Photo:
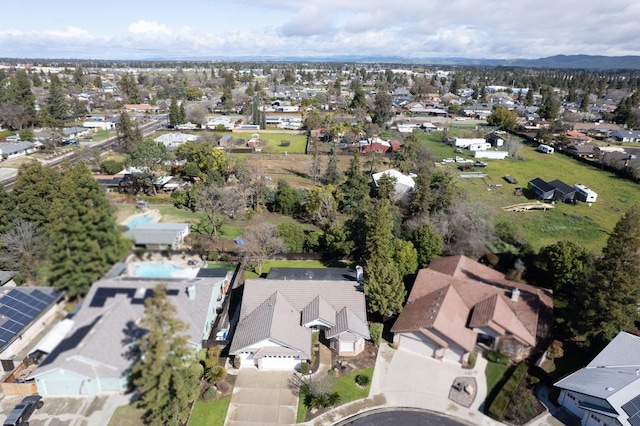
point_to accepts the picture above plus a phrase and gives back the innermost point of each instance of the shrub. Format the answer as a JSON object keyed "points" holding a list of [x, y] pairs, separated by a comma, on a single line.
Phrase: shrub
{"points": [[285, 143], [362, 380], [315, 338], [224, 257], [501, 401], [111, 167], [493, 356], [212, 256], [304, 367], [210, 394], [393, 346], [216, 373], [555, 350], [471, 362], [375, 331], [237, 361]]}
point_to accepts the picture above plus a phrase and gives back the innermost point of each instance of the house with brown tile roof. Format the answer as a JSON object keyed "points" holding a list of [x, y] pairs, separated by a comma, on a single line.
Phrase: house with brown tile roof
{"points": [[278, 316], [457, 302]]}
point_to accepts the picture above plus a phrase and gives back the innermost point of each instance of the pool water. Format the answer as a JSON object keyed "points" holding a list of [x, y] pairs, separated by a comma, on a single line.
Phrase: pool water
{"points": [[138, 220], [162, 270]]}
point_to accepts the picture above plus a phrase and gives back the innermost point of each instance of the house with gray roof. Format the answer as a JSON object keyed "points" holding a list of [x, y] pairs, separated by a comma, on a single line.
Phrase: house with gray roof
{"points": [[158, 236], [11, 150], [95, 355], [173, 140], [607, 390], [278, 317]]}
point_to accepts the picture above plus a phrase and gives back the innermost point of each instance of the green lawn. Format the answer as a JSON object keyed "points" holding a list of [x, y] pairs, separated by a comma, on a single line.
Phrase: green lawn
{"points": [[495, 373], [298, 141], [302, 408], [127, 415], [212, 413], [347, 388], [586, 225]]}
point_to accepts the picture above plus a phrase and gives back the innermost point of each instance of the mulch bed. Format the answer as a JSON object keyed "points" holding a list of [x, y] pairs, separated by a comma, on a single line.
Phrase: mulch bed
{"points": [[347, 364], [463, 391]]}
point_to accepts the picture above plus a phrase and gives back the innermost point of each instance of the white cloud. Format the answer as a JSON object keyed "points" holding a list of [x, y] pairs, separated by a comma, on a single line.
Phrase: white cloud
{"points": [[412, 28]]}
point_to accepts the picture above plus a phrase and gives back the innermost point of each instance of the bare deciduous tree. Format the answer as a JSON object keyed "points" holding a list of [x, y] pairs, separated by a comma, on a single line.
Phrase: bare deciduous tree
{"points": [[261, 243], [22, 246]]}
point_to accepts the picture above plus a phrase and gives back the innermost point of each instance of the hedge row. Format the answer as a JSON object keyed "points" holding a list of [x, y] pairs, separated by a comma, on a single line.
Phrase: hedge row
{"points": [[501, 401]]}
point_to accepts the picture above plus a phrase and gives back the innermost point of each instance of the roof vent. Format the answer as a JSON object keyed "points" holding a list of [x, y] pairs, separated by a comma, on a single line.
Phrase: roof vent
{"points": [[191, 292], [610, 389], [515, 295]]}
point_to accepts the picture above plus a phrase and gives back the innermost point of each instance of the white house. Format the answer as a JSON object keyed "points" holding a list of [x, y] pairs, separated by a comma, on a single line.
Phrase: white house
{"points": [[172, 140], [494, 155], [607, 391], [467, 142], [10, 150], [159, 235], [404, 183]]}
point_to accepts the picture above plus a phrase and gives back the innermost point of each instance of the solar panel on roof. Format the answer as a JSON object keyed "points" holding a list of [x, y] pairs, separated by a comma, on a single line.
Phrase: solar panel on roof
{"points": [[632, 408], [17, 295]]}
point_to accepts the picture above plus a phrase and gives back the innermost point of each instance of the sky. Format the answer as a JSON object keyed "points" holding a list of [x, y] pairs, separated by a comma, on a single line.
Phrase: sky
{"points": [[409, 29]]}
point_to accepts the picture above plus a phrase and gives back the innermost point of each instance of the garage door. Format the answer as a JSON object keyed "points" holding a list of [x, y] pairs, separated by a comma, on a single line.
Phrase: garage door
{"points": [[412, 343], [347, 347], [278, 363]]}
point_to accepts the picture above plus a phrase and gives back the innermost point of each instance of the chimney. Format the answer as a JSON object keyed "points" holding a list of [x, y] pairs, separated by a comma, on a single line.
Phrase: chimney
{"points": [[191, 292], [515, 295], [359, 273]]}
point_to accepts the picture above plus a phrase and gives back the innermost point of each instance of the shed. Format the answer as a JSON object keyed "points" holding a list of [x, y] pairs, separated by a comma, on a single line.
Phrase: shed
{"points": [[563, 192], [542, 189]]}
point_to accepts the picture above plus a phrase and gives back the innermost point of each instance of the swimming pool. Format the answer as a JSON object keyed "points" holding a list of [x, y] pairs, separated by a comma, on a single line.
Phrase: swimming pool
{"points": [[163, 270], [138, 220]]}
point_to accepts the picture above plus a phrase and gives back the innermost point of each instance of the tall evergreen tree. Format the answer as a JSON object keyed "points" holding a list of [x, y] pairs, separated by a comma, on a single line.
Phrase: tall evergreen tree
{"points": [[383, 284], [18, 102], [166, 375], [183, 114], [332, 176], [33, 193], [84, 239], [129, 134], [382, 108], [175, 117], [356, 187], [57, 105], [609, 303]]}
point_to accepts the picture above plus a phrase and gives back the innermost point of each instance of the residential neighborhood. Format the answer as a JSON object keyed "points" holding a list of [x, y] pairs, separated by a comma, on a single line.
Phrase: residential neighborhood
{"points": [[241, 243]]}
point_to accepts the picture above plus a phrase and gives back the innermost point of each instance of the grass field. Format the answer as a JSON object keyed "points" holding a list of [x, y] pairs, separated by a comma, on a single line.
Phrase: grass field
{"points": [[298, 142], [290, 264], [583, 224], [127, 415], [212, 413], [347, 388]]}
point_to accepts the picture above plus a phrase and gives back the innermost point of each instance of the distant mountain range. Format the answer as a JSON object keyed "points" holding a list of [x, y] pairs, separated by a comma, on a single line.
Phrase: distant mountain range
{"points": [[590, 62]]}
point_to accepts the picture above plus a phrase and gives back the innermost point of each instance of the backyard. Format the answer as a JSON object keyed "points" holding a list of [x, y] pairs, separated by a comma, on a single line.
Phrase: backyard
{"points": [[583, 224], [274, 142]]}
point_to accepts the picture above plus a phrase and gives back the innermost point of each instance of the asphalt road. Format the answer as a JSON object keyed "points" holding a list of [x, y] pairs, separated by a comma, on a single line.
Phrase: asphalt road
{"points": [[403, 418]]}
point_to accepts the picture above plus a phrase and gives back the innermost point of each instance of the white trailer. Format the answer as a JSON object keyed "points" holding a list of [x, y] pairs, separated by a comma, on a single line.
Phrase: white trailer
{"points": [[585, 194], [545, 148]]}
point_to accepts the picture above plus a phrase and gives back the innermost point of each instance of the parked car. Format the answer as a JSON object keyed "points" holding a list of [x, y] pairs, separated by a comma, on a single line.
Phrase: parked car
{"points": [[70, 142], [480, 164], [21, 412]]}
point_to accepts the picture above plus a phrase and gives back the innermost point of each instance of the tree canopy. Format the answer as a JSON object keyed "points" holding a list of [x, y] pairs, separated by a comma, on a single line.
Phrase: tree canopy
{"points": [[166, 374]]}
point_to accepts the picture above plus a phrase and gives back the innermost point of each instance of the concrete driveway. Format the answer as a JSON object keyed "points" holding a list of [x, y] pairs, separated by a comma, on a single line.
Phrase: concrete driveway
{"points": [[413, 380], [262, 398], [71, 411]]}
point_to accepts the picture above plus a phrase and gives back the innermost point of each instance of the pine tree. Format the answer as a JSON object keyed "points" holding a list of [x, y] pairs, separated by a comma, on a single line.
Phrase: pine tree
{"points": [[84, 239], [609, 303], [183, 114], [356, 188], [129, 134], [332, 175], [57, 105], [174, 113], [383, 284], [166, 375], [33, 193]]}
